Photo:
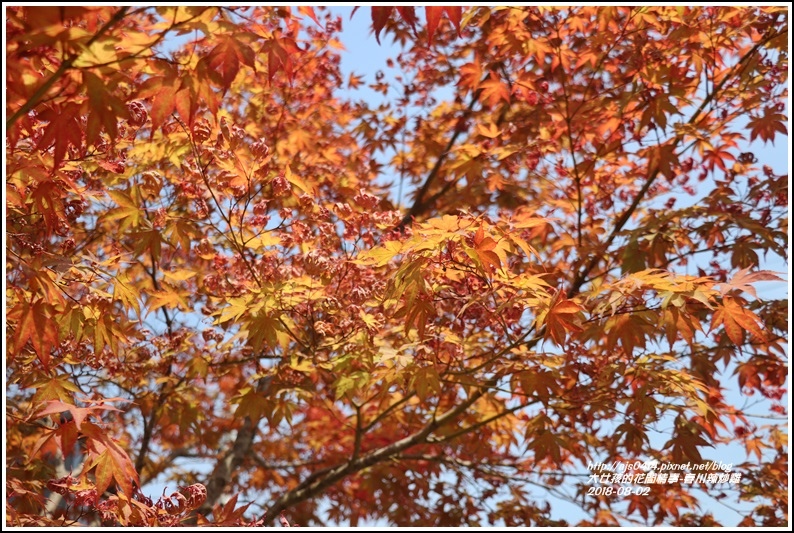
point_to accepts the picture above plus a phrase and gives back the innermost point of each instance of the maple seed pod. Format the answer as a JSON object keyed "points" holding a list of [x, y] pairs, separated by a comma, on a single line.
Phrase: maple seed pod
{"points": [[260, 149], [315, 264], [260, 208], [197, 495], [205, 248], [160, 217], [201, 131], [237, 136], [202, 210], [366, 200], [138, 114], [747, 158], [67, 246], [306, 201], [281, 187], [532, 98]]}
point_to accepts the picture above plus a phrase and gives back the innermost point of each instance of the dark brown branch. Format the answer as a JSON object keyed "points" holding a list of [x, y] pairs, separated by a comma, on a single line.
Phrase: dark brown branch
{"points": [[335, 474], [385, 413], [224, 468], [149, 424], [420, 205], [484, 422], [241, 449], [451, 183], [359, 433]]}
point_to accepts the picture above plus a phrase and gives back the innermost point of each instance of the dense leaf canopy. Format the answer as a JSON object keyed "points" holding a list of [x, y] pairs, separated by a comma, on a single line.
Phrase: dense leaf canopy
{"points": [[230, 273]]}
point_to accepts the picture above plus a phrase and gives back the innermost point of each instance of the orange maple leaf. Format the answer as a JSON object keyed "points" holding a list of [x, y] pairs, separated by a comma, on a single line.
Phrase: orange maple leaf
{"points": [[561, 318]]}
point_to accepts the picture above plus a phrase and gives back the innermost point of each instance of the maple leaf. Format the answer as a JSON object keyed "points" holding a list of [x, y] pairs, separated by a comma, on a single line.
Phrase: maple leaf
{"points": [[519, 241], [546, 444], [110, 462], [279, 52], [148, 240], [34, 323], [483, 251], [717, 157], [766, 126], [168, 297], [185, 102], [426, 381], [471, 75], [755, 446], [490, 132], [540, 383], [678, 324], [69, 434], [163, 91], [58, 388], [265, 330], [743, 279], [296, 180], [128, 212], [106, 109], [236, 308], [632, 330], [126, 293], [77, 414], [226, 57], [354, 81], [634, 438], [686, 442], [380, 255], [409, 15], [433, 15], [664, 158], [736, 319], [380, 16], [417, 315], [559, 318], [493, 90], [309, 12], [63, 131], [47, 197], [253, 404], [181, 232], [226, 514]]}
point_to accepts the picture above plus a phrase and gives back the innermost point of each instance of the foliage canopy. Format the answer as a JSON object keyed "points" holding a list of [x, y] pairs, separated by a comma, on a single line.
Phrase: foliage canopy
{"points": [[431, 311]]}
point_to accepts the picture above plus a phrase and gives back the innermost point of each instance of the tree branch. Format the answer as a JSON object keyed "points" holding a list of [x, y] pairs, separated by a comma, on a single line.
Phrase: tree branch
{"points": [[332, 475], [66, 65], [653, 172], [419, 205], [484, 422], [225, 467]]}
